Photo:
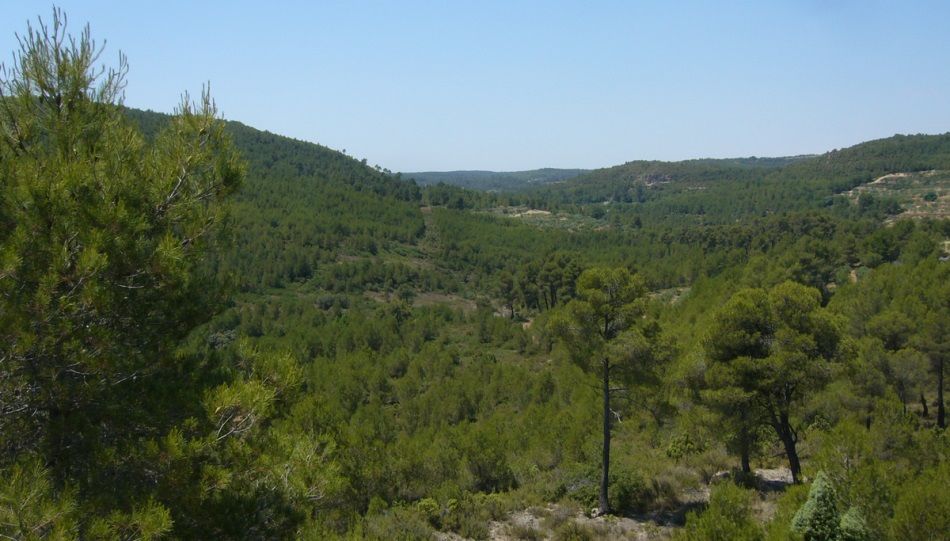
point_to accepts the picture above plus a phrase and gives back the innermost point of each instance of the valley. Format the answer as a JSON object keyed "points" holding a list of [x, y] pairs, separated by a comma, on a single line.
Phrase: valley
{"points": [[211, 331]]}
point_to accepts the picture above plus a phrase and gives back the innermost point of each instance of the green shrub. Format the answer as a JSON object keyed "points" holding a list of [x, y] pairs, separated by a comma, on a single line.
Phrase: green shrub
{"points": [[628, 493], [398, 523], [744, 479], [525, 531], [491, 506], [579, 483], [728, 517], [923, 508], [572, 531], [779, 528], [681, 446], [817, 519], [853, 527], [467, 525], [663, 493], [467, 517], [431, 511]]}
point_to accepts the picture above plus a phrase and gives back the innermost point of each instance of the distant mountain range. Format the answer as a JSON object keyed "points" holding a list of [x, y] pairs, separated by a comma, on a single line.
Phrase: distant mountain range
{"points": [[501, 181]]}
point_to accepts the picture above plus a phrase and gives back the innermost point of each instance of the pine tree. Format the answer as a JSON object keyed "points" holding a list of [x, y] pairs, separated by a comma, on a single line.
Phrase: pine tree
{"points": [[768, 350], [103, 239], [598, 328]]}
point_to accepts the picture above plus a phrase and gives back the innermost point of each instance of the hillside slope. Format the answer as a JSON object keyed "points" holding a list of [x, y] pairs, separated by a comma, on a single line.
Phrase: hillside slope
{"points": [[397, 371], [494, 180], [721, 191], [304, 205]]}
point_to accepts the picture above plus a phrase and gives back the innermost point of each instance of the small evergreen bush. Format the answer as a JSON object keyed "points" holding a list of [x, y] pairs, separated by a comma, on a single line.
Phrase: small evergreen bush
{"points": [[818, 519]]}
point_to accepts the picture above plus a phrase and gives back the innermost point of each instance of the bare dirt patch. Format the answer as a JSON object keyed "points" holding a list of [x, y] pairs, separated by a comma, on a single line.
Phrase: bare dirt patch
{"points": [[922, 194]]}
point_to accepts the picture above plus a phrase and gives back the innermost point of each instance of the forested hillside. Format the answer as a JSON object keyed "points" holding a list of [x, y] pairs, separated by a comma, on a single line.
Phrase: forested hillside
{"points": [[305, 205], [209, 331], [495, 181], [707, 191]]}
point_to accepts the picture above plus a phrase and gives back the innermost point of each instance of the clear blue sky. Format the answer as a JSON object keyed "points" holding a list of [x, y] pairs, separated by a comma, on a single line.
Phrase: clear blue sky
{"points": [[517, 85]]}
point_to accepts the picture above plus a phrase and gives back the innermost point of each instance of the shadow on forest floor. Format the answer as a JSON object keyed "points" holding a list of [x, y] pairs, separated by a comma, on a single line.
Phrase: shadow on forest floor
{"points": [[537, 522]]}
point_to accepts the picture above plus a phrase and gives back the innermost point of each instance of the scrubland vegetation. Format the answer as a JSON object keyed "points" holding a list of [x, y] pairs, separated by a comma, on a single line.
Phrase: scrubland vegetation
{"points": [[212, 332]]}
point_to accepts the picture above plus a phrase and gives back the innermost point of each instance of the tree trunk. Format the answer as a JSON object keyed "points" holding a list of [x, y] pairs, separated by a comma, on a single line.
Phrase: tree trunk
{"points": [[746, 468], [605, 472], [923, 404], [793, 462], [941, 411], [744, 450], [787, 435]]}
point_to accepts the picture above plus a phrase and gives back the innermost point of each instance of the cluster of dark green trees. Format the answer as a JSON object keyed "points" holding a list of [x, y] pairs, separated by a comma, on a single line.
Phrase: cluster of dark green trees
{"points": [[207, 331], [495, 181]]}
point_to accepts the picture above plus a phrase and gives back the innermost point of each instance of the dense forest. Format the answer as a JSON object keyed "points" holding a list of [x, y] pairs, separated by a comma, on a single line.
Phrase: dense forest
{"points": [[494, 180], [209, 331]]}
